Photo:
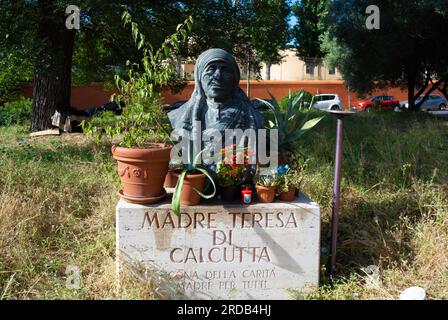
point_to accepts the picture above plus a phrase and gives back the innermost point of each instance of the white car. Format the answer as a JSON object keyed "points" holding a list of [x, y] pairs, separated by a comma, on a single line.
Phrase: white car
{"points": [[327, 102], [434, 102]]}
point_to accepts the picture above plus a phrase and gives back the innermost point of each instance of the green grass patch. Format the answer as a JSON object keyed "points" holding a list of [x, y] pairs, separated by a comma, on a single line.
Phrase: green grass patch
{"points": [[58, 196]]}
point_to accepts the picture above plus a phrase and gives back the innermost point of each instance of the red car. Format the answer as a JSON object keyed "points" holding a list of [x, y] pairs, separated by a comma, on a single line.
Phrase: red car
{"points": [[378, 103]]}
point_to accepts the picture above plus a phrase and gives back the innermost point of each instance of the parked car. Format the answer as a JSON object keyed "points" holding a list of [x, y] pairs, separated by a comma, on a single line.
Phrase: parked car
{"points": [[433, 102], [327, 102], [378, 103]]}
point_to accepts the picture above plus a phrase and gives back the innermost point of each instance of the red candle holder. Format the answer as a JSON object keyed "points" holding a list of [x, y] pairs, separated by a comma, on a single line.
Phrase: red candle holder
{"points": [[246, 196]]}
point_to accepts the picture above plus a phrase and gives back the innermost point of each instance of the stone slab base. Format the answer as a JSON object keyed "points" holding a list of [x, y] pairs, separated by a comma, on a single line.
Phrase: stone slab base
{"points": [[222, 250]]}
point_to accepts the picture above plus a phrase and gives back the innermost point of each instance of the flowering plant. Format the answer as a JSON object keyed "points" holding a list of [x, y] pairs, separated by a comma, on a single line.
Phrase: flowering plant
{"points": [[232, 170]]}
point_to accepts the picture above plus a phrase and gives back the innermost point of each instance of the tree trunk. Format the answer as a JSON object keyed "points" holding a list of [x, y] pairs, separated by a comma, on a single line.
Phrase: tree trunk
{"points": [[268, 71], [411, 87], [52, 80]]}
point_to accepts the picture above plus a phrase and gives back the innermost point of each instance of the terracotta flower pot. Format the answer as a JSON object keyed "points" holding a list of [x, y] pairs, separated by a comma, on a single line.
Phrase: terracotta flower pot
{"points": [[142, 172], [189, 196], [170, 180], [288, 196], [229, 193], [265, 194]]}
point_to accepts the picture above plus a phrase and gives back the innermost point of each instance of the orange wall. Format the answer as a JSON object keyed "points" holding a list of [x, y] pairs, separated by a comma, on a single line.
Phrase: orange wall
{"points": [[279, 89], [94, 95], [82, 97]]}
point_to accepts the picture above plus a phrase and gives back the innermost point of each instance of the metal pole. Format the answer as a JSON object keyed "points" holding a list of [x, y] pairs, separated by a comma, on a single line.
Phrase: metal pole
{"points": [[336, 188], [349, 102]]}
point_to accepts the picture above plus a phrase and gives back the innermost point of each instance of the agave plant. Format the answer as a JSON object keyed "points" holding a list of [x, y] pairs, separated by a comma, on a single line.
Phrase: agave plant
{"points": [[291, 124]]}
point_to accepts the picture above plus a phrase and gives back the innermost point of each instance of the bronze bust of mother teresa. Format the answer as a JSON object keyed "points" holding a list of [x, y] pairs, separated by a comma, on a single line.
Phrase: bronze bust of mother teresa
{"points": [[217, 101]]}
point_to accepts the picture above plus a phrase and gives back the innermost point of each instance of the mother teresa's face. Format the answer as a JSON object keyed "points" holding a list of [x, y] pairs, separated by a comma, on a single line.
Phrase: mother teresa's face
{"points": [[218, 81]]}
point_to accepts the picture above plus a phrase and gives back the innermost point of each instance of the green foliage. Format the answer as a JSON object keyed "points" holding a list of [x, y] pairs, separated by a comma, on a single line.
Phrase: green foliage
{"points": [[405, 51], [15, 68], [394, 200], [15, 112], [142, 118], [311, 24], [229, 175], [269, 29], [9, 87], [266, 180], [333, 51], [292, 179], [253, 31], [291, 124], [306, 98]]}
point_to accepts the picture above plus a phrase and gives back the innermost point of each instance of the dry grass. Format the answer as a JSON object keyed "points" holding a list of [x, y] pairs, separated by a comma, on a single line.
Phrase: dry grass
{"points": [[58, 196]]}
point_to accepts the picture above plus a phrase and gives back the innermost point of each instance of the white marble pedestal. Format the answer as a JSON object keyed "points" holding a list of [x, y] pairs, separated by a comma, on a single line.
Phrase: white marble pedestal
{"points": [[223, 250]]}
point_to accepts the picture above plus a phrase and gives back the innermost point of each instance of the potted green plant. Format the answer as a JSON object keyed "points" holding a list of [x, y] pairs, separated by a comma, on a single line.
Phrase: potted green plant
{"points": [[191, 178], [140, 135], [266, 186], [291, 124], [231, 171], [289, 182]]}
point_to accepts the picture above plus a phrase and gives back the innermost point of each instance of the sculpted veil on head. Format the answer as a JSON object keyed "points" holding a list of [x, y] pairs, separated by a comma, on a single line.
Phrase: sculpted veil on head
{"points": [[237, 113], [216, 107]]}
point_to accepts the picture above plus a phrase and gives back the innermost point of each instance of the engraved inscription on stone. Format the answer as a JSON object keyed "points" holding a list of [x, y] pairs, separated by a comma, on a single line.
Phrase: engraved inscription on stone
{"points": [[229, 252]]}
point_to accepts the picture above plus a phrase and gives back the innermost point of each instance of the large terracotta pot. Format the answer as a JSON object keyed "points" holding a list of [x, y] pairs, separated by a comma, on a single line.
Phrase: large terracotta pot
{"points": [[142, 172], [189, 196], [265, 194], [288, 196]]}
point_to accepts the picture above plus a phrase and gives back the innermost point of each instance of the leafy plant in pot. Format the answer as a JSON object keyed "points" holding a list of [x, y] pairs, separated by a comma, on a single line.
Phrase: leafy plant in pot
{"points": [[266, 186], [289, 182], [231, 172], [140, 135], [191, 178]]}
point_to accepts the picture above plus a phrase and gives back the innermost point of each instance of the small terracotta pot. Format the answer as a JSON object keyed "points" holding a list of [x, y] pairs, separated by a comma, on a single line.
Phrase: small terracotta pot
{"points": [[170, 180], [265, 194], [142, 172], [288, 196], [229, 193], [189, 196]]}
